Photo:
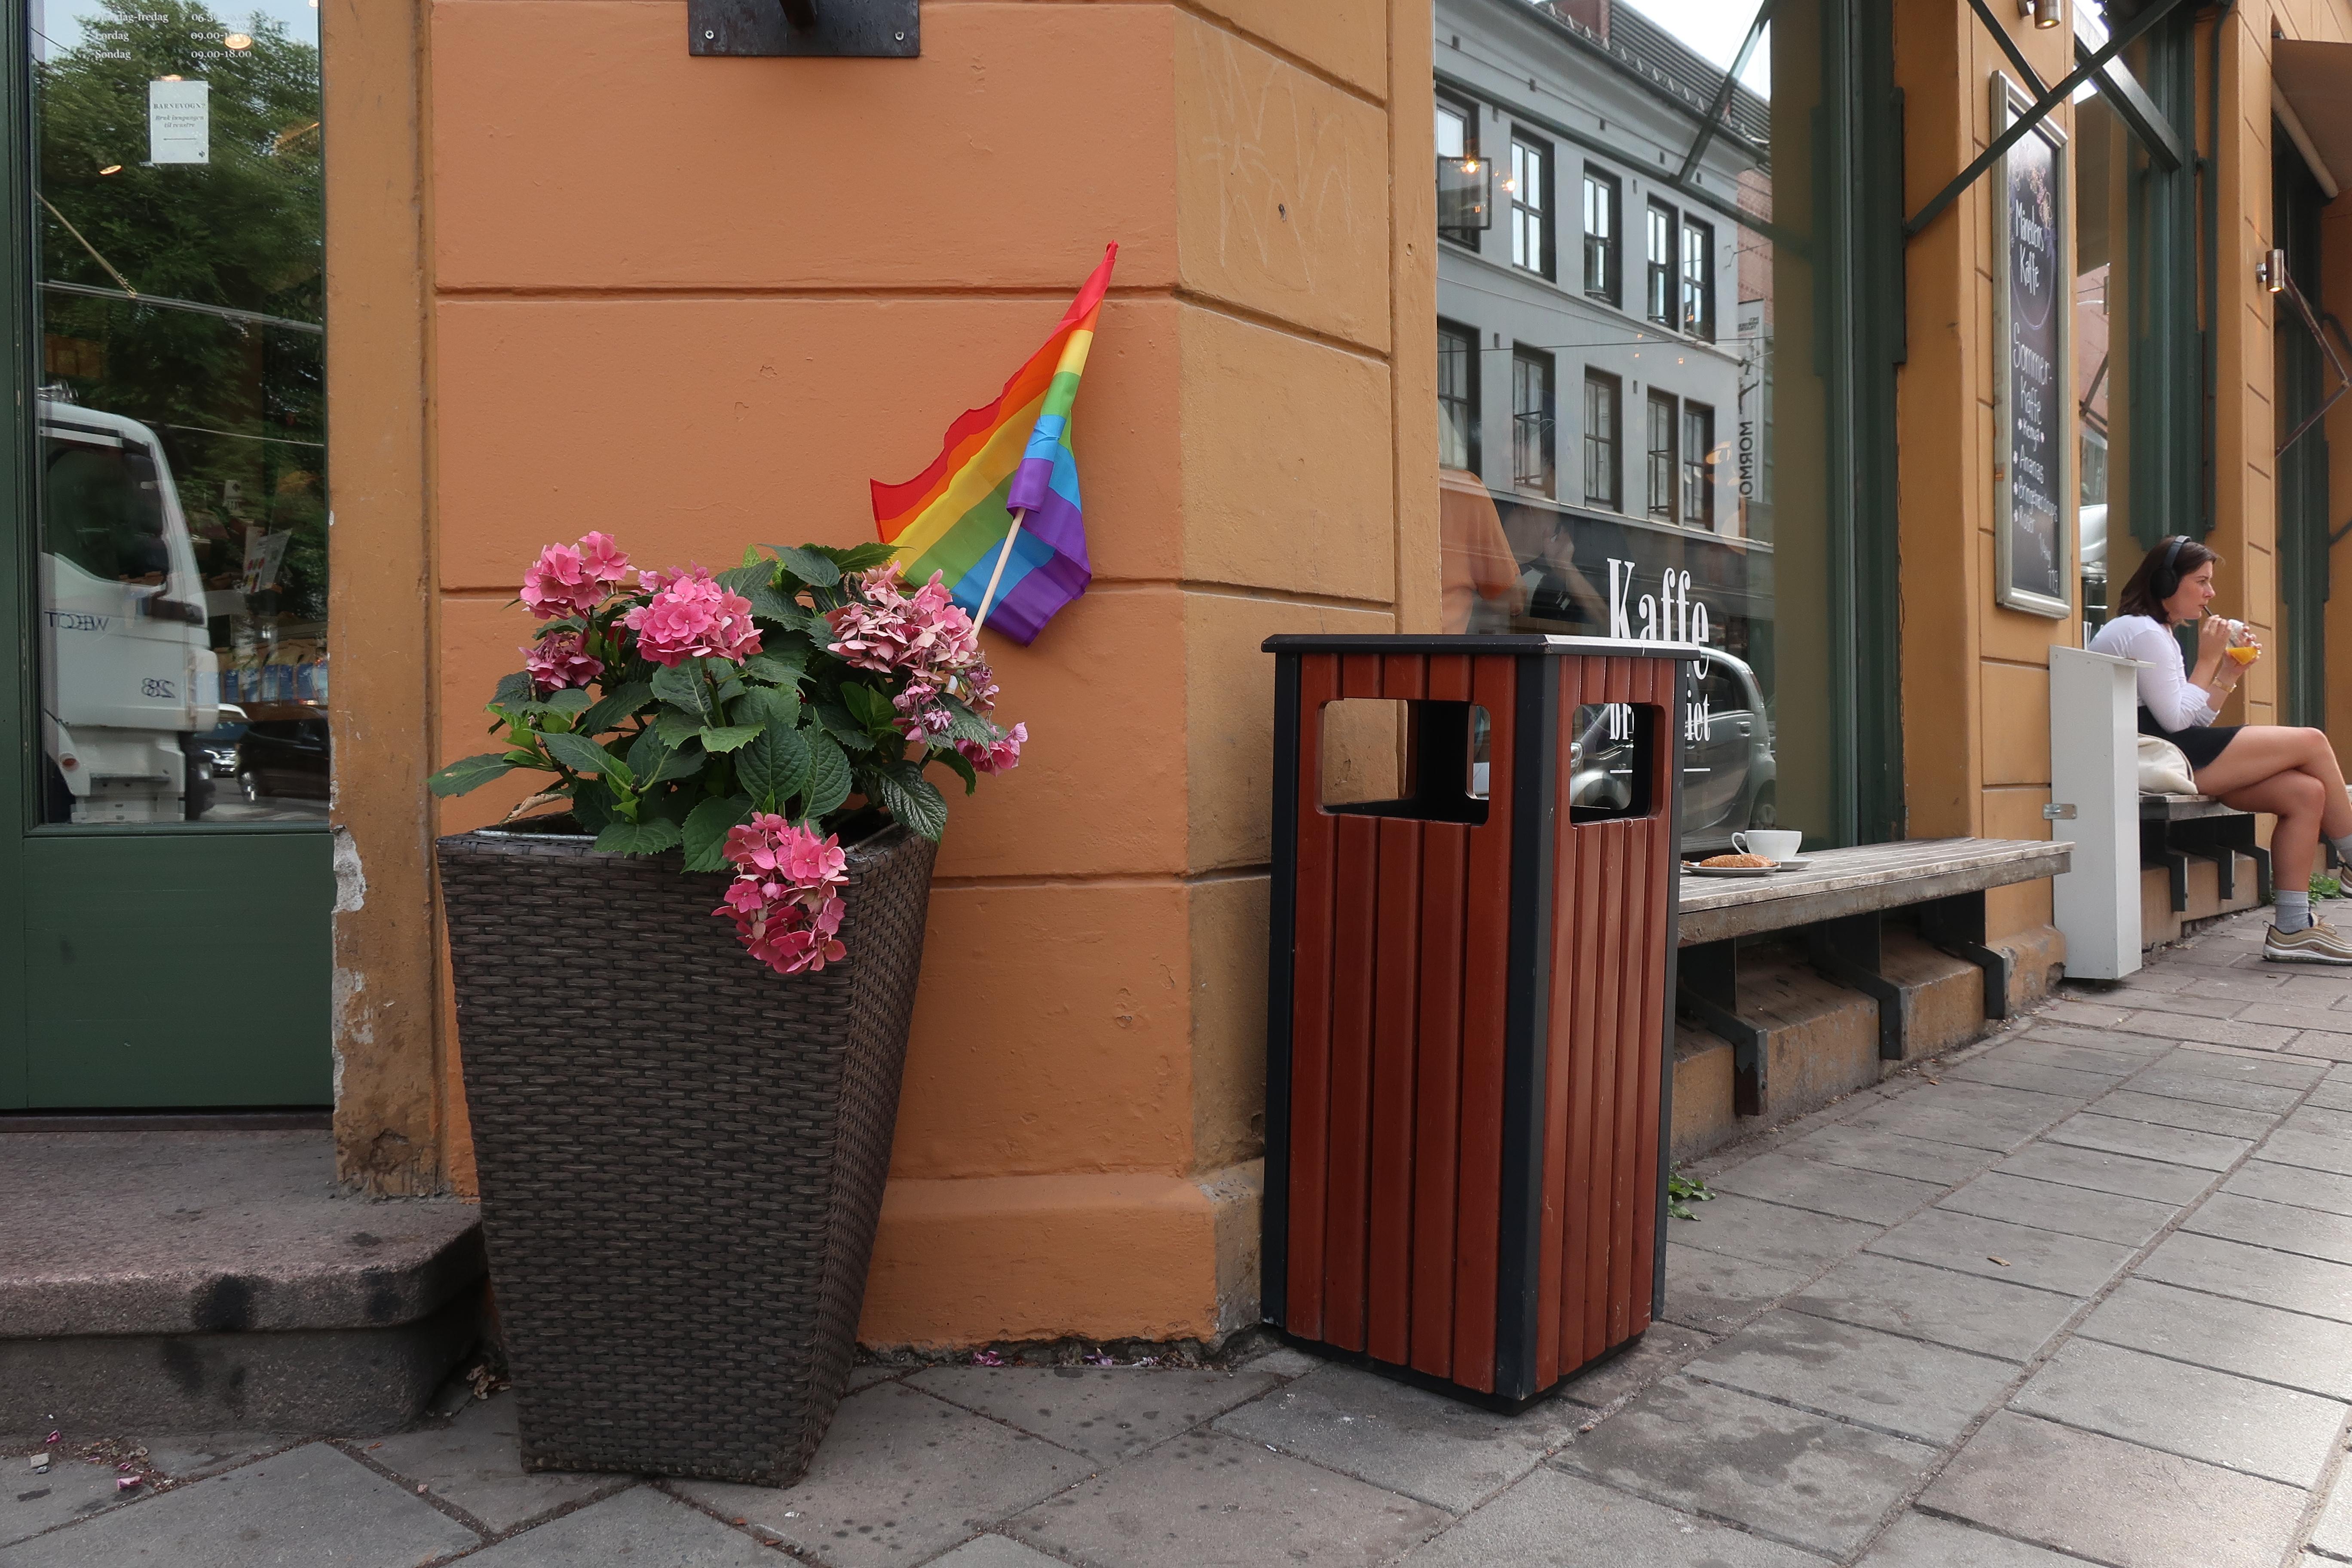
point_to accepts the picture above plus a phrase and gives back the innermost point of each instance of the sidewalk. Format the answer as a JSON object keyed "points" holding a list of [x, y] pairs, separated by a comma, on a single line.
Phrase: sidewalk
{"points": [[2087, 1294]]}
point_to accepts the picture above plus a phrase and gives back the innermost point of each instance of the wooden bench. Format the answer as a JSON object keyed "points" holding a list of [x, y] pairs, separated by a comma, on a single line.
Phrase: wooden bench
{"points": [[1837, 902], [2175, 830]]}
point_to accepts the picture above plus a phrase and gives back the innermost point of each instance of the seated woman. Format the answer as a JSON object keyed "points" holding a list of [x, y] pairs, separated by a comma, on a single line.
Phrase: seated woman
{"points": [[2291, 774]]}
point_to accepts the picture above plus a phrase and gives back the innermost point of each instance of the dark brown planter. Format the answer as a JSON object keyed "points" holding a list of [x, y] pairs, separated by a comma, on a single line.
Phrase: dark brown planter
{"points": [[681, 1152]]}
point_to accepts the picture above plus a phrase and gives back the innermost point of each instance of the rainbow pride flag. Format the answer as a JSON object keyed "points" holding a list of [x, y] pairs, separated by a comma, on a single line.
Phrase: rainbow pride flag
{"points": [[1013, 454]]}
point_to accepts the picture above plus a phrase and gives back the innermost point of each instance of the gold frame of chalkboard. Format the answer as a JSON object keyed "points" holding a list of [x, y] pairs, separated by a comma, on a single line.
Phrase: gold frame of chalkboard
{"points": [[2008, 100]]}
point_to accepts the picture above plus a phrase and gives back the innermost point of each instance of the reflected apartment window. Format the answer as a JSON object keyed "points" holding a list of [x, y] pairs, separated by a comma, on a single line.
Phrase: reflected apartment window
{"points": [[1658, 302], [1531, 205], [1698, 278], [1603, 468], [1663, 477], [1698, 464], [1458, 397], [1531, 421], [1459, 211], [1601, 280]]}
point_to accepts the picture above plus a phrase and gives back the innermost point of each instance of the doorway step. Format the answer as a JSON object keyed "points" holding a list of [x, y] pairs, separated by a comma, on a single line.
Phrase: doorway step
{"points": [[213, 1281]]}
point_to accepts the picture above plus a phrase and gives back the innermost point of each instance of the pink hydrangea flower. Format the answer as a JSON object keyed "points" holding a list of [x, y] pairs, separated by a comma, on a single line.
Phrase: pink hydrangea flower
{"points": [[574, 579], [1002, 757], [692, 616], [558, 660], [883, 627], [782, 901]]}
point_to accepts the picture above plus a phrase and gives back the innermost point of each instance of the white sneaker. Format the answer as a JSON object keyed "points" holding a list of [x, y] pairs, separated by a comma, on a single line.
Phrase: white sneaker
{"points": [[2318, 942]]}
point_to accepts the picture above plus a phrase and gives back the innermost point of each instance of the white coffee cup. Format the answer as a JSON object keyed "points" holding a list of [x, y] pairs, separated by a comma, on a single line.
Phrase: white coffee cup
{"points": [[1772, 843]]}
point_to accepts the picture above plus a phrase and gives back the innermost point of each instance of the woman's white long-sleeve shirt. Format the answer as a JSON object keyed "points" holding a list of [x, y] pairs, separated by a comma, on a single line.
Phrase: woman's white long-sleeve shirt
{"points": [[2164, 686]]}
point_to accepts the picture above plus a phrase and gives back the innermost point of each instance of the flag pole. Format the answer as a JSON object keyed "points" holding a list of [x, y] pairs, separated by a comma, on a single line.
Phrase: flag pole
{"points": [[1020, 515]]}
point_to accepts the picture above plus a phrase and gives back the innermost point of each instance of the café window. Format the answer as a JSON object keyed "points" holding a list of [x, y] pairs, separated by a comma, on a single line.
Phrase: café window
{"points": [[1458, 397], [1659, 298], [1663, 463], [1698, 464], [1530, 205], [1602, 199], [1604, 467], [1698, 278], [1532, 418]]}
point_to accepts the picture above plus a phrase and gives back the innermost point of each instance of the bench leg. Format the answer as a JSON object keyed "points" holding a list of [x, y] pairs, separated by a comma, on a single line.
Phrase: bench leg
{"points": [[2265, 887], [1956, 926], [2225, 865], [2176, 866], [1847, 951], [1706, 992]]}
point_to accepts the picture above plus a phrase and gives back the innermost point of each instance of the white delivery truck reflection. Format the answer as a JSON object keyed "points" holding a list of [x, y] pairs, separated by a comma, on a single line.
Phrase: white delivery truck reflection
{"points": [[128, 677]]}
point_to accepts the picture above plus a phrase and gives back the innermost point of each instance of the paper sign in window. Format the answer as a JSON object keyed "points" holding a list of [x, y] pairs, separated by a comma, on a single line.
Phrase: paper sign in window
{"points": [[179, 122]]}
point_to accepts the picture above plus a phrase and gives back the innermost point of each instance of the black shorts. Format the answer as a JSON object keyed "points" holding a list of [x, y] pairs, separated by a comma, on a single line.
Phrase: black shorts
{"points": [[2200, 743]]}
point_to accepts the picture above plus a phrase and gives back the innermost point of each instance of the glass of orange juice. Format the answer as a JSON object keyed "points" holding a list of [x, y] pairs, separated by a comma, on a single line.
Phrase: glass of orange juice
{"points": [[2242, 647]]}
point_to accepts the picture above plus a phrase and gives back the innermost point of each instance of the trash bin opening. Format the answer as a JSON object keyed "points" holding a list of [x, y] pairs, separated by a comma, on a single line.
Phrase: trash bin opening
{"points": [[1418, 759], [1612, 760]]}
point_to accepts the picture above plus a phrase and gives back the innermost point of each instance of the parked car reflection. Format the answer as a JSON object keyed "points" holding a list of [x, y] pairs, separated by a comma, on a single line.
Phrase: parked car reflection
{"points": [[1728, 779], [284, 758]]}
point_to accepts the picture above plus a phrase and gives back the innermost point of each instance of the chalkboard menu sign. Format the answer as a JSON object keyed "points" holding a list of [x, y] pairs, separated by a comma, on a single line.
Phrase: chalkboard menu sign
{"points": [[2033, 492]]}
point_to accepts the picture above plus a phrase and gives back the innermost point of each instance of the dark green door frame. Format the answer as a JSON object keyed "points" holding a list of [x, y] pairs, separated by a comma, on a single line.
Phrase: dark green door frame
{"points": [[2303, 491]]}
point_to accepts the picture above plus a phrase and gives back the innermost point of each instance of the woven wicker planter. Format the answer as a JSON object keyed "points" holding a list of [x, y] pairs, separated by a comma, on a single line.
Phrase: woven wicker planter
{"points": [[681, 1152]]}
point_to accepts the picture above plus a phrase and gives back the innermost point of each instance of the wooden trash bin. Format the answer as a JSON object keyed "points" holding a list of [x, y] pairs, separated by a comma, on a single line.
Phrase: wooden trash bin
{"points": [[1468, 1055]]}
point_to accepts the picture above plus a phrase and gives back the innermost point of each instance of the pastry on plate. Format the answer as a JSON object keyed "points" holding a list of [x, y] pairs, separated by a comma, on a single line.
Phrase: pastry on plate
{"points": [[1737, 863]]}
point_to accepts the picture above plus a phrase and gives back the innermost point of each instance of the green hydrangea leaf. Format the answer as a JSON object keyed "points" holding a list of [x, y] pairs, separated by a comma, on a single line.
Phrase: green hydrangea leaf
{"points": [[677, 728], [706, 831], [775, 767], [726, 738], [863, 557], [766, 705], [514, 690], [913, 799], [829, 783], [470, 773], [868, 706], [774, 671], [650, 837], [960, 764], [613, 707], [583, 756], [571, 699], [963, 724], [683, 688], [812, 566]]}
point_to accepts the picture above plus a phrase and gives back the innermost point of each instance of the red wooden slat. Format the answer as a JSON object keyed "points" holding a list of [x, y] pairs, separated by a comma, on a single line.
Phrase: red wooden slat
{"points": [[1559, 1049], [1395, 988], [1310, 1009], [1486, 974], [1631, 1013], [1354, 927], [1437, 1108], [1657, 1052], [1607, 998], [1592, 926]]}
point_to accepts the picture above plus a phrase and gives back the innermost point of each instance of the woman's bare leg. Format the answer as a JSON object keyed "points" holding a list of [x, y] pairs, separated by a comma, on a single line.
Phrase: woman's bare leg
{"points": [[2264, 751], [2295, 798]]}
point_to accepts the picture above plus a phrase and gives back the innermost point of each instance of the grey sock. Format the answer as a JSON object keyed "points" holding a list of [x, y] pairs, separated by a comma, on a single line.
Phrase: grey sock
{"points": [[2294, 911]]}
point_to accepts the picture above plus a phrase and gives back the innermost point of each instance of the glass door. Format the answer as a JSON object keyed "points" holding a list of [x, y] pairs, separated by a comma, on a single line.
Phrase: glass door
{"points": [[171, 557]]}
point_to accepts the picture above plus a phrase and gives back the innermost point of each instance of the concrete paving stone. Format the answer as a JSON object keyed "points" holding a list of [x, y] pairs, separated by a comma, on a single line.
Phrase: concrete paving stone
{"points": [[872, 1372], [2279, 1227], [2298, 1014], [1783, 1178], [1286, 1361], [2244, 1066], [1104, 1413], [192, 1455], [2051, 1205], [1889, 1153], [2322, 1044], [642, 1526], [2324, 1191], [991, 1552], [1924, 1541], [2211, 1031], [30, 1503], [2049, 1032], [1904, 1386], [2310, 1151], [1440, 1451], [2163, 1080], [2252, 1274], [2007, 1072], [2103, 1171], [1207, 1500], [2249, 1338], [2202, 1001], [2113, 1501], [310, 1506], [2089, 1015], [1661, 1349], [2331, 1093], [2072, 1265], [2195, 1115], [2333, 1533], [2320, 1120], [1791, 1238], [475, 1463], [900, 1477], [2195, 1411], [1977, 1115], [2200, 1150], [1968, 1311], [1798, 1478], [1554, 1520], [2097, 1060], [1712, 1291]]}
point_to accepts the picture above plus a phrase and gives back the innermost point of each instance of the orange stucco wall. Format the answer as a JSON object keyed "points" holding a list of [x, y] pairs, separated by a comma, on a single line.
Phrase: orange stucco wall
{"points": [[700, 302]]}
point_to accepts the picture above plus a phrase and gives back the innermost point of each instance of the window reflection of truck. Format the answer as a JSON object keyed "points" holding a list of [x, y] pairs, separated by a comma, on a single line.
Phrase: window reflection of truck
{"points": [[128, 677], [1729, 774]]}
